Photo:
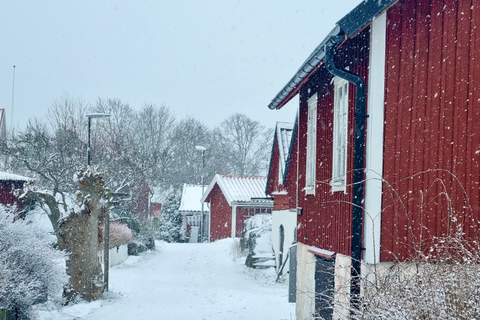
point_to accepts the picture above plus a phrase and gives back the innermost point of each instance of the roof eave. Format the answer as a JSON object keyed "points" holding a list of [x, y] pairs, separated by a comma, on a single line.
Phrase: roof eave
{"points": [[350, 25], [291, 89]]}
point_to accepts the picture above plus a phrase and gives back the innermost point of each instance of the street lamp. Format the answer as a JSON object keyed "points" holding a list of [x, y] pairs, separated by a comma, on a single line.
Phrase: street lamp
{"points": [[106, 238], [202, 149], [90, 116]]}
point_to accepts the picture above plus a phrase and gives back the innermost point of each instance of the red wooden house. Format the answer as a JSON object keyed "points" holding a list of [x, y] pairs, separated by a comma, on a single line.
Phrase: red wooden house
{"points": [[233, 199], [284, 216], [388, 136]]}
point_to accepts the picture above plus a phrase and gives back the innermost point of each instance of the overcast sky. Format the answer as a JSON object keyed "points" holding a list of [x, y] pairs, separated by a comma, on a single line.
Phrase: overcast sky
{"points": [[205, 59]]}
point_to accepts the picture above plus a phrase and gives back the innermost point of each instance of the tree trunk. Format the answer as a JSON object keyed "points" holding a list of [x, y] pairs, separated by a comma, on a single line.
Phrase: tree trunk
{"points": [[78, 234]]}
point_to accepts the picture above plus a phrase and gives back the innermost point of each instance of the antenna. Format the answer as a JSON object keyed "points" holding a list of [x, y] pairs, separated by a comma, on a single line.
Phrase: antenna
{"points": [[13, 97]]}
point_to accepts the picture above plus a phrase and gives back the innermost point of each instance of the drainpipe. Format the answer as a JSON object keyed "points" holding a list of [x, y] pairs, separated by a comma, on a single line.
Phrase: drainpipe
{"points": [[358, 163]]}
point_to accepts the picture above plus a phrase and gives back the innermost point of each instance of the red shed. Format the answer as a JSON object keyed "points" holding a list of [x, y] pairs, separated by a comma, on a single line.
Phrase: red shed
{"points": [[389, 133], [233, 199], [8, 183]]}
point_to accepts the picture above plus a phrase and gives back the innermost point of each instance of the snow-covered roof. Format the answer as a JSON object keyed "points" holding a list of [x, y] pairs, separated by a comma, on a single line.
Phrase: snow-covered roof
{"points": [[6, 176], [191, 195], [239, 188], [284, 136]]}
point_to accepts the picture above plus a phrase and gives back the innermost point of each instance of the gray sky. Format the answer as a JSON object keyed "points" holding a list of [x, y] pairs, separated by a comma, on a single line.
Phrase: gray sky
{"points": [[205, 59]]}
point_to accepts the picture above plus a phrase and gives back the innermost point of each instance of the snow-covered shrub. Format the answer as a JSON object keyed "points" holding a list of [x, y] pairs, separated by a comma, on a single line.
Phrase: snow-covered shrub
{"points": [[120, 234], [31, 270], [235, 249], [444, 285]]}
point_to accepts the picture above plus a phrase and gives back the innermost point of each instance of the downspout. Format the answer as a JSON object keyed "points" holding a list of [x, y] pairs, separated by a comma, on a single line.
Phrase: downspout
{"points": [[358, 163]]}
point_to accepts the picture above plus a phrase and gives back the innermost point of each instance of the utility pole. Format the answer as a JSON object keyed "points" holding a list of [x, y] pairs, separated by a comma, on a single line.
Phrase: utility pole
{"points": [[13, 98], [202, 149], [106, 238]]}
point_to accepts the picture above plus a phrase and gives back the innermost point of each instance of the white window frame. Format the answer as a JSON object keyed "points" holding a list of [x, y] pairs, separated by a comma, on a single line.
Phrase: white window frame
{"points": [[340, 135], [310, 175], [280, 176]]}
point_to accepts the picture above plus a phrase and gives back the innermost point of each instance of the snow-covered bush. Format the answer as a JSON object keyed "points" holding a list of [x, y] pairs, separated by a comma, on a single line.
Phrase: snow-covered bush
{"points": [[120, 234], [31, 270]]}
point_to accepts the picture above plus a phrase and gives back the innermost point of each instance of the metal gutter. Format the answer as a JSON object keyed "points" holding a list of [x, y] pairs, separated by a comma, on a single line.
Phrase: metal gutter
{"points": [[358, 162], [302, 75], [350, 25]]}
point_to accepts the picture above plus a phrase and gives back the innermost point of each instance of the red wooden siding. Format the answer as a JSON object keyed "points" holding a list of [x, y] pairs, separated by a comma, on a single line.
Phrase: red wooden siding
{"points": [[281, 201], [141, 196], [274, 168], [326, 218], [432, 125], [6, 195], [220, 215], [155, 209]]}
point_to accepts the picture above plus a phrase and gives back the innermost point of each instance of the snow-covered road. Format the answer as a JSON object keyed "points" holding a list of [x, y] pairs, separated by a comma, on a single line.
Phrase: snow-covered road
{"points": [[186, 281]]}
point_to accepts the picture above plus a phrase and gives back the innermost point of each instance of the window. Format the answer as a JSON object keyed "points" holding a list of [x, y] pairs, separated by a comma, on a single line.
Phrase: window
{"points": [[340, 133], [280, 176], [311, 144]]}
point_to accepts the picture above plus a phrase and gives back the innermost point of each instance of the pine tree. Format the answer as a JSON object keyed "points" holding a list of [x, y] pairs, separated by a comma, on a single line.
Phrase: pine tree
{"points": [[170, 221]]}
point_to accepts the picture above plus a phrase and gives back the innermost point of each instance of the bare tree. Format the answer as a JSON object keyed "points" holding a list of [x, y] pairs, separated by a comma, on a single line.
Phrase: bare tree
{"points": [[246, 141], [111, 143], [151, 143], [68, 114], [187, 161], [54, 158]]}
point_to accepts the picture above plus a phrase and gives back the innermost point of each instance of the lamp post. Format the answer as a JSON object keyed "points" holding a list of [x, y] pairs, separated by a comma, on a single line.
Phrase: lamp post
{"points": [[106, 238], [202, 149], [90, 116]]}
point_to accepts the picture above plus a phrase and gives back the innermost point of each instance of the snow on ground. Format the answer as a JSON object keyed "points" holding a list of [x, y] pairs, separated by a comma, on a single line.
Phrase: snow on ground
{"points": [[186, 281]]}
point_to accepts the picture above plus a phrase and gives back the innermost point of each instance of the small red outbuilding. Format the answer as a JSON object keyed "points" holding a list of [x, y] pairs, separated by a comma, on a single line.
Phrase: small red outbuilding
{"points": [[8, 183], [233, 199]]}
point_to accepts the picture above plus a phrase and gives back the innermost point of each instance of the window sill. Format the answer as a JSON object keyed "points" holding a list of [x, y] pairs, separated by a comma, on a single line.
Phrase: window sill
{"points": [[337, 187], [309, 190]]}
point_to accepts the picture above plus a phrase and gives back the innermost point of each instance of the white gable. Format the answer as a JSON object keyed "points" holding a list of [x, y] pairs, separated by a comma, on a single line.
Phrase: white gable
{"points": [[284, 137]]}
